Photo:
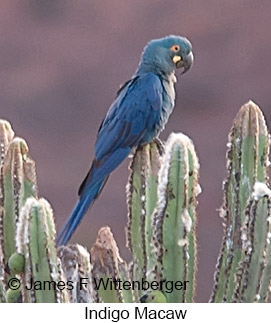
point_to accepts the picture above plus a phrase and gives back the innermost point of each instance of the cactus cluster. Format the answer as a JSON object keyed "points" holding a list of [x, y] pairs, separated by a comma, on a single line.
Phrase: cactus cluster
{"points": [[162, 194], [243, 269], [17, 184]]}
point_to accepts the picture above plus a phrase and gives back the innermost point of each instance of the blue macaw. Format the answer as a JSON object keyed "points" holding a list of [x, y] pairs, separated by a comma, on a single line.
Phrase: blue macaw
{"points": [[137, 116]]}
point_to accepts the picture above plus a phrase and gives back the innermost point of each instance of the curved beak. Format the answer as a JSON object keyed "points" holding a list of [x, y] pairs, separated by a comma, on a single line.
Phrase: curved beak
{"points": [[186, 62]]}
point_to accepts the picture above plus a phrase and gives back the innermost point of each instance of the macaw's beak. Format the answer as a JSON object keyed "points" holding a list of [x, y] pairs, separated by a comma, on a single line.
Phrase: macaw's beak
{"points": [[185, 62]]}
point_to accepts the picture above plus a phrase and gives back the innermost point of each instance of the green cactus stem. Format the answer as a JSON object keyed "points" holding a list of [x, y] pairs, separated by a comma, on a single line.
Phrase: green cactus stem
{"points": [[252, 277], [6, 136], [18, 182], [76, 266], [109, 267], [247, 160], [175, 217], [141, 200], [35, 240]]}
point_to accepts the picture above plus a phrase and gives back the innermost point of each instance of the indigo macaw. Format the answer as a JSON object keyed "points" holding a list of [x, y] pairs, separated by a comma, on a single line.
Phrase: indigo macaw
{"points": [[137, 116]]}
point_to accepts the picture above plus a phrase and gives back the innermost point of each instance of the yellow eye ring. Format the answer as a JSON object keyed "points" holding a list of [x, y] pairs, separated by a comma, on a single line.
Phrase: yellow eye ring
{"points": [[175, 48]]}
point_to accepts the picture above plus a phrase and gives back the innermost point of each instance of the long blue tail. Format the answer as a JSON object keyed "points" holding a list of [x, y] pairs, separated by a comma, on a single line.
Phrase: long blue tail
{"points": [[78, 212]]}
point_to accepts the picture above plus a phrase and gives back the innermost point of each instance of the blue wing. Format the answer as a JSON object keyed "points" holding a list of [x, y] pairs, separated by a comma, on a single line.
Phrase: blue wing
{"points": [[132, 117], [135, 113]]}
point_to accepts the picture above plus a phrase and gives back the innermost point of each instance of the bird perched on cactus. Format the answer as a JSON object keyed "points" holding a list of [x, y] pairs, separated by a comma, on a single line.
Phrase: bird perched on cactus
{"points": [[137, 116]]}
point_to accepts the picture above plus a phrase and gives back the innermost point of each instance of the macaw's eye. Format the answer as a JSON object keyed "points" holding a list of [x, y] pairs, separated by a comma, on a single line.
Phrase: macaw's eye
{"points": [[175, 48]]}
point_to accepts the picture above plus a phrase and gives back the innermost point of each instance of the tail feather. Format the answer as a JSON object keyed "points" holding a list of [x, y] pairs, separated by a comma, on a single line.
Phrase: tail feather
{"points": [[90, 190], [81, 207]]}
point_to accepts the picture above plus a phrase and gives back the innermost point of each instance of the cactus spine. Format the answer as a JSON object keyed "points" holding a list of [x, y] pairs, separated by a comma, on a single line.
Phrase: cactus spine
{"points": [[242, 246]]}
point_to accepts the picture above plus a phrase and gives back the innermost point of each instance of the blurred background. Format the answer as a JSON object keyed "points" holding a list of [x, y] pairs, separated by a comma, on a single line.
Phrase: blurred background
{"points": [[61, 63]]}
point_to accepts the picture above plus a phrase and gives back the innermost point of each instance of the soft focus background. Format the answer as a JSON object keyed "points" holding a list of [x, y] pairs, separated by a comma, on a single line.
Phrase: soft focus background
{"points": [[61, 63]]}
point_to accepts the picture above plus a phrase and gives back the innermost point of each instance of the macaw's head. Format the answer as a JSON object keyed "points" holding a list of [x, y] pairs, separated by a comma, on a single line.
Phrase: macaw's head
{"points": [[166, 55]]}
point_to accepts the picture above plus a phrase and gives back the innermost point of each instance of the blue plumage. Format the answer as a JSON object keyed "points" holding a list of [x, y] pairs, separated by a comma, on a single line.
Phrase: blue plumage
{"points": [[137, 115]]}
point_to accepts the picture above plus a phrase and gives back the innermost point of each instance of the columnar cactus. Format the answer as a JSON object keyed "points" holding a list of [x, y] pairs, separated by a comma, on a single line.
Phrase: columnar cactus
{"points": [[6, 135], [35, 240], [162, 198], [141, 200], [254, 272], [246, 221], [109, 270], [17, 183], [76, 266], [175, 217]]}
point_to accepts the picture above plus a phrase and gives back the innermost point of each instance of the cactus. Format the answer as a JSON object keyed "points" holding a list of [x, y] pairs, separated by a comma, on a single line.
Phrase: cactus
{"points": [[76, 266], [108, 267], [6, 135], [17, 183], [161, 204], [162, 197], [243, 247], [175, 217], [141, 200], [252, 280], [35, 240]]}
